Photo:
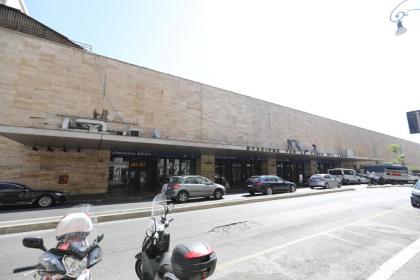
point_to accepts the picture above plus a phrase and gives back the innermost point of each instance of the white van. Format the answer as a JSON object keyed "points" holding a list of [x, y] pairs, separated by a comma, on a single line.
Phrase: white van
{"points": [[347, 176]]}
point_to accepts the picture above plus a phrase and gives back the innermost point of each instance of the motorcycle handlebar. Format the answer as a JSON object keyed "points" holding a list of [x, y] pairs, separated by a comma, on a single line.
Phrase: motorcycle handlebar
{"points": [[22, 269]]}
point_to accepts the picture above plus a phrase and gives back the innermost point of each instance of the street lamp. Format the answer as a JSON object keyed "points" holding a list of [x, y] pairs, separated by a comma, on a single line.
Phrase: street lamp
{"points": [[398, 14]]}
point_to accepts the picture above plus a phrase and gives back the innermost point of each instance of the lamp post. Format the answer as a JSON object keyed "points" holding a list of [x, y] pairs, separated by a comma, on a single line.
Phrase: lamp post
{"points": [[398, 14]]}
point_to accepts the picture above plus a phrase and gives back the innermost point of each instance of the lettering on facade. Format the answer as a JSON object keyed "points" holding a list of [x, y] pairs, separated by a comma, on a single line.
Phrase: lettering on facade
{"points": [[314, 152]]}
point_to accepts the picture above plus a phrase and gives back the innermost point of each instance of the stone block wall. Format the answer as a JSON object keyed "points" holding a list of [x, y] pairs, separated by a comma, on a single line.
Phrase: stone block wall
{"points": [[87, 170]]}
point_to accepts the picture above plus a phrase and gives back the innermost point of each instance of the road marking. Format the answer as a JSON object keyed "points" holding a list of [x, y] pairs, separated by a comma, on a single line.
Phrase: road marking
{"points": [[291, 243], [358, 245], [389, 268], [370, 237]]}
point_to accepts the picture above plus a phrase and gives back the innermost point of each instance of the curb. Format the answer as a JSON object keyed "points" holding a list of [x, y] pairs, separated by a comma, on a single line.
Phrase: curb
{"points": [[145, 212], [389, 186]]}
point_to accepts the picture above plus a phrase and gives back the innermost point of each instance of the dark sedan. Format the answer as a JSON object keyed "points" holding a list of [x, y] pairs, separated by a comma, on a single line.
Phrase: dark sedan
{"points": [[268, 184], [20, 194]]}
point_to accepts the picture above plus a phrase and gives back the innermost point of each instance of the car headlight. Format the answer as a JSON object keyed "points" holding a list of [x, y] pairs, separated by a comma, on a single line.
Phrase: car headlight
{"points": [[74, 267]]}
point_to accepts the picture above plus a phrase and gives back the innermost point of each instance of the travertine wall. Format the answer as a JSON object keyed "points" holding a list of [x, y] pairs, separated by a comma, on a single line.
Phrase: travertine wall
{"points": [[87, 170], [42, 81]]}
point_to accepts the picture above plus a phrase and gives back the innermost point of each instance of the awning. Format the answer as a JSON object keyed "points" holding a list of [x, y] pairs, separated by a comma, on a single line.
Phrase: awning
{"points": [[41, 137]]}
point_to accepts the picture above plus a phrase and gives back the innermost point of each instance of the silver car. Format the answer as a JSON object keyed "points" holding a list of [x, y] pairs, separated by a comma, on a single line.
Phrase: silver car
{"points": [[324, 180], [181, 188]]}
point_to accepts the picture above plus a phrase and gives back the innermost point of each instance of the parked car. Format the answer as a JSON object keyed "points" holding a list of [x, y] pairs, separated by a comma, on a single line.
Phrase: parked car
{"points": [[20, 194], [415, 195], [412, 178], [325, 181], [268, 184], [347, 176], [181, 188]]}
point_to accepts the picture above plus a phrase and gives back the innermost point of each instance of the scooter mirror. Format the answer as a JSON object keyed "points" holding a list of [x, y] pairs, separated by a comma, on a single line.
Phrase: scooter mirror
{"points": [[34, 242]]}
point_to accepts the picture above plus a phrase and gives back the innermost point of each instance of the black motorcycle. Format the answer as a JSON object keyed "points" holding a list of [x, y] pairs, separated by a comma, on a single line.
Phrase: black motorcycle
{"points": [[188, 261], [373, 179]]}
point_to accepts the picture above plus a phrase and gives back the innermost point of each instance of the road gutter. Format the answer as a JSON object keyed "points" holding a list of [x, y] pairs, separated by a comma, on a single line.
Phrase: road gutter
{"points": [[107, 216]]}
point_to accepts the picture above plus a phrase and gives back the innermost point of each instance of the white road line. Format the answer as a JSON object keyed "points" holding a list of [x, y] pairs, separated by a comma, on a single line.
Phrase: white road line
{"points": [[358, 245], [288, 244], [370, 237], [389, 268]]}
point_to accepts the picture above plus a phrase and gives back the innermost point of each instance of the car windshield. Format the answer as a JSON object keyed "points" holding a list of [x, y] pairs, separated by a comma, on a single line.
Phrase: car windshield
{"points": [[254, 179], [417, 186], [176, 180]]}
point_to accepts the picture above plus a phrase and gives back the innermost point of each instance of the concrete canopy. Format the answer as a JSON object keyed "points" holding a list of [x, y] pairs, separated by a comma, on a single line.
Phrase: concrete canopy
{"points": [[41, 137]]}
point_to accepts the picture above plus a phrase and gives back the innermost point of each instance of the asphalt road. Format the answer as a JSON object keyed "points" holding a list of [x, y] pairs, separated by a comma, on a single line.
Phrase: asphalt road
{"points": [[10, 215], [334, 236]]}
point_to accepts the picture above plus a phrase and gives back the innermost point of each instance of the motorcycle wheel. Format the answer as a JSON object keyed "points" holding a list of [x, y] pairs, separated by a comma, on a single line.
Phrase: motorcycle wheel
{"points": [[139, 269]]}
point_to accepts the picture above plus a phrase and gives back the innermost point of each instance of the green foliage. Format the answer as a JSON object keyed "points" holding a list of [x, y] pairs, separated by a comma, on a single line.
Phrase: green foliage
{"points": [[396, 150]]}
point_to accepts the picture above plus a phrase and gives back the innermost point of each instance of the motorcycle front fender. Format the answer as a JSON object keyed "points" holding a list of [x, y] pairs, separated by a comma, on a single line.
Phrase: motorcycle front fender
{"points": [[138, 256]]}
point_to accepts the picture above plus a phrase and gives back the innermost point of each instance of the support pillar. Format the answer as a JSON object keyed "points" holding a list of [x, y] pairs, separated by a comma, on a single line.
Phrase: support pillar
{"points": [[311, 168], [269, 166], [206, 166]]}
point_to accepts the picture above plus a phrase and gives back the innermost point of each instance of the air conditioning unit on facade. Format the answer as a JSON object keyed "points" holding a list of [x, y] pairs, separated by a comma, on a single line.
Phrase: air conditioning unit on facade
{"points": [[135, 132], [84, 124]]}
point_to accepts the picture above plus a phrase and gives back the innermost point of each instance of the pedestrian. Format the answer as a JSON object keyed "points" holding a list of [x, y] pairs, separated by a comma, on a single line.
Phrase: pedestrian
{"points": [[301, 180]]}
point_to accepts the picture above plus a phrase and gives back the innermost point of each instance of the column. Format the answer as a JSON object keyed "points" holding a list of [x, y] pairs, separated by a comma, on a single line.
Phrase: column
{"points": [[269, 166], [206, 166]]}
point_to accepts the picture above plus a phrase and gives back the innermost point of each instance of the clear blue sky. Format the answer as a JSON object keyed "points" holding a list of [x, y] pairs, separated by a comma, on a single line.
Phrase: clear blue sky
{"points": [[334, 58]]}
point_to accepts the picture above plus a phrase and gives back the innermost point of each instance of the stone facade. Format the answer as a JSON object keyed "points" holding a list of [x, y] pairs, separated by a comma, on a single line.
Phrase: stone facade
{"points": [[87, 170], [44, 81]]}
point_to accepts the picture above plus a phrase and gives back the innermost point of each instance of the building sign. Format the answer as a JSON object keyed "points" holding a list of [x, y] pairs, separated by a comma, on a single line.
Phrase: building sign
{"points": [[140, 164], [305, 152], [152, 154], [63, 179]]}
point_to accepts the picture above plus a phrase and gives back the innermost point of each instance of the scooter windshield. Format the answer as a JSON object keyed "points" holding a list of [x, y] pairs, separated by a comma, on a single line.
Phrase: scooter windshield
{"points": [[159, 207], [77, 230]]}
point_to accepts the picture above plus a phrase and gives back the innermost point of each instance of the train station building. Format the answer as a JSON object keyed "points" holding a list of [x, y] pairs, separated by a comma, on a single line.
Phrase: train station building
{"points": [[83, 123]]}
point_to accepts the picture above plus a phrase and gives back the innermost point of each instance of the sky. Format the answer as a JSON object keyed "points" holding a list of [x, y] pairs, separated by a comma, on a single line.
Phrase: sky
{"points": [[333, 58]]}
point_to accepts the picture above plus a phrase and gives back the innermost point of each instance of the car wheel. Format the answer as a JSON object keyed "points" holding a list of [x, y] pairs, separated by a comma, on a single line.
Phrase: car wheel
{"points": [[326, 186], [312, 188], [218, 194], [252, 193], [182, 196], [358, 182], [139, 269], [269, 191], [45, 201], [339, 185], [292, 189]]}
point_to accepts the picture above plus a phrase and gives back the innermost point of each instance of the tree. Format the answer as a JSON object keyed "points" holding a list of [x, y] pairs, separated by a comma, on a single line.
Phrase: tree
{"points": [[396, 150]]}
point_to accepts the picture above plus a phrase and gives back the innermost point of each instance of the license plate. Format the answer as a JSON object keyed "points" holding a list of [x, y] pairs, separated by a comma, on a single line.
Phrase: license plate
{"points": [[249, 186]]}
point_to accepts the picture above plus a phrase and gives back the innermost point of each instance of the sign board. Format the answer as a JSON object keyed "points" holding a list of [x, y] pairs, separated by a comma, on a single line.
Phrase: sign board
{"points": [[63, 179], [413, 119]]}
